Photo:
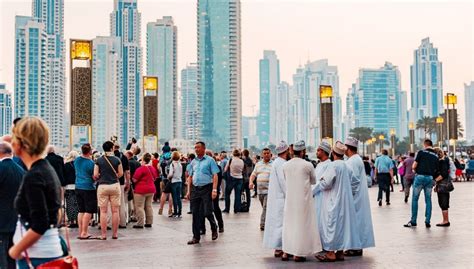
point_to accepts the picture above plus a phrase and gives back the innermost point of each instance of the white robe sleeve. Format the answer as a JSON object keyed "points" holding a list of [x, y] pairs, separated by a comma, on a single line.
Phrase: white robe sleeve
{"points": [[327, 181]]}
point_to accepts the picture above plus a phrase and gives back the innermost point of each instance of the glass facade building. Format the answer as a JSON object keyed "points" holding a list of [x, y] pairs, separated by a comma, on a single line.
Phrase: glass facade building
{"points": [[189, 103], [377, 99], [219, 73], [469, 107], [6, 116], [125, 24], [162, 62]]}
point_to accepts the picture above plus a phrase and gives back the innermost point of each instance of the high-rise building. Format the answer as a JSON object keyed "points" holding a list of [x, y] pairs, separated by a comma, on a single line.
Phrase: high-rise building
{"points": [[352, 104], [31, 69], [162, 38], [51, 14], [468, 105], [189, 103], [219, 72], [269, 80], [249, 131], [378, 96], [6, 113], [403, 114], [126, 24], [106, 88], [306, 98], [426, 82], [280, 120]]}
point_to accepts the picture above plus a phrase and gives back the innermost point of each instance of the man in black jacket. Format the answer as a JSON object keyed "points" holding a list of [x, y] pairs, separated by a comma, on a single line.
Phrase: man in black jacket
{"points": [[11, 175], [57, 162]]}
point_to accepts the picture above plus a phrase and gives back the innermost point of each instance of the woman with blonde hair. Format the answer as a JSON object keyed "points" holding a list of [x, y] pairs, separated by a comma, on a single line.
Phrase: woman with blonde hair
{"points": [[38, 199], [72, 209], [175, 175]]}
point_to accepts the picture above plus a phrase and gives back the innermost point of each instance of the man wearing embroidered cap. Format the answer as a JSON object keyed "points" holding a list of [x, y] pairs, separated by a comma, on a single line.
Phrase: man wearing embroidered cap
{"points": [[300, 235], [360, 192], [338, 229], [272, 237]]}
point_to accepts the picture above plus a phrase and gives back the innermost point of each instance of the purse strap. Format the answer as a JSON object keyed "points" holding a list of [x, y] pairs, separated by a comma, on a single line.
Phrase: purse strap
{"points": [[113, 169]]}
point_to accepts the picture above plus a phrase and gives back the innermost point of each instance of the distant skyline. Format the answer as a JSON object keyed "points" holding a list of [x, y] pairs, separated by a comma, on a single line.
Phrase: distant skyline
{"points": [[350, 34]]}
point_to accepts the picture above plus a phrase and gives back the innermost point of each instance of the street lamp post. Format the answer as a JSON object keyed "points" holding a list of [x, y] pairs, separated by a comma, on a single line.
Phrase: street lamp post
{"points": [[412, 136], [451, 120], [382, 139], [392, 140], [439, 122]]}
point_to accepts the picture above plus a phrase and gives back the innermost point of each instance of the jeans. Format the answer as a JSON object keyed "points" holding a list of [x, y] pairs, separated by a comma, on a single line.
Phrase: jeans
{"points": [[201, 206], [236, 185], [246, 189], [22, 264], [176, 194], [383, 179], [424, 183], [6, 242]]}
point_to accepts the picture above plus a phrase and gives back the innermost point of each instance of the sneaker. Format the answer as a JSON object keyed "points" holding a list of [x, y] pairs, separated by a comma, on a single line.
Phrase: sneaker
{"points": [[380, 202], [193, 241], [409, 224], [428, 225], [406, 199], [388, 203], [147, 225]]}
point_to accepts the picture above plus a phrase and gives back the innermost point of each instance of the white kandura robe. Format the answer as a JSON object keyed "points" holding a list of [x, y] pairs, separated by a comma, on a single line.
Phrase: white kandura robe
{"points": [[362, 202], [300, 233], [272, 236], [319, 171], [338, 220]]}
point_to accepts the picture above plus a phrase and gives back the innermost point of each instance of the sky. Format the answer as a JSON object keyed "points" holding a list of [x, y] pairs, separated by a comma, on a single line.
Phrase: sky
{"points": [[351, 34]]}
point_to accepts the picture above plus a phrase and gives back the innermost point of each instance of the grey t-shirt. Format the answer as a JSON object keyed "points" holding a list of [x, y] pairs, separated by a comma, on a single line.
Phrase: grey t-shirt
{"points": [[107, 175]]}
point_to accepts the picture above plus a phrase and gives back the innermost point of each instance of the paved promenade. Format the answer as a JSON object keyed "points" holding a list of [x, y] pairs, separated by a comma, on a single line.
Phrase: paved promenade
{"points": [[164, 245]]}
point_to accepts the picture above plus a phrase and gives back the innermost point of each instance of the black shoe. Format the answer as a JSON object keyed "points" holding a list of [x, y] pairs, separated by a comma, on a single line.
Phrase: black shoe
{"points": [[225, 211], [147, 225], [410, 224], [122, 227], [215, 235], [406, 199], [443, 224], [193, 241], [190, 212], [380, 202], [262, 228], [137, 227], [428, 225], [202, 232], [221, 229], [73, 225], [388, 203]]}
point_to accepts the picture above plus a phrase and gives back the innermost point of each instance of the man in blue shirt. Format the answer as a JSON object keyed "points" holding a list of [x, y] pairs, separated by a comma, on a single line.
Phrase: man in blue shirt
{"points": [[202, 178], [86, 194], [384, 176]]}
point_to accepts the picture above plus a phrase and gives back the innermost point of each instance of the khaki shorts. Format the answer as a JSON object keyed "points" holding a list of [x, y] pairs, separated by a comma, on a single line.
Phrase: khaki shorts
{"points": [[106, 193]]}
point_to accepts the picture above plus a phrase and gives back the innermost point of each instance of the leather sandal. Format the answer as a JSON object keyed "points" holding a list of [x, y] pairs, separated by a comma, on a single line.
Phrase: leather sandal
{"points": [[278, 253], [324, 258]]}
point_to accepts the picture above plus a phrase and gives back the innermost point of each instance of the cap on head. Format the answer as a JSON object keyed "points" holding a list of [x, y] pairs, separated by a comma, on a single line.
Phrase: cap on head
{"points": [[339, 148], [282, 147], [325, 146], [351, 141], [299, 146]]}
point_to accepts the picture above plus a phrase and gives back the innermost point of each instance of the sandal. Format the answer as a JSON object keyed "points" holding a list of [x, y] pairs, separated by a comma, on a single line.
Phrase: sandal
{"points": [[353, 252], [324, 258], [278, 253], [286, 257], [299, 259], [114, 237], [101, 238]]}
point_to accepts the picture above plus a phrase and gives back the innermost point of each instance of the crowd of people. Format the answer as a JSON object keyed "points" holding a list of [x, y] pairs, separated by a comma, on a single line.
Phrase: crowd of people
{"points": [[318, 208]]}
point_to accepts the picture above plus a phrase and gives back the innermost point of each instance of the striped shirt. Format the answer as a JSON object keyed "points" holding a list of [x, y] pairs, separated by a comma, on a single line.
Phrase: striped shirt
{"points": [[262, 173]]}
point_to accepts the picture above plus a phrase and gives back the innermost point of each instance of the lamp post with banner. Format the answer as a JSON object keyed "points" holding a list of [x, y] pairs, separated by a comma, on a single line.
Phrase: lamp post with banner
{"points": [[439, 124], [326, 112], [411, 127], [451, 120], [150, 117], [392, 140]]}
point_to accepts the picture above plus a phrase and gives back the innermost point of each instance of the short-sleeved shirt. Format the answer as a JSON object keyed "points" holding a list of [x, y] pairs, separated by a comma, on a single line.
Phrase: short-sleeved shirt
{"points": [[84, 171], [262, 172], [202, 170], [427, 163], [408, 164], [383, 164], [108, 175], [236, 168]]}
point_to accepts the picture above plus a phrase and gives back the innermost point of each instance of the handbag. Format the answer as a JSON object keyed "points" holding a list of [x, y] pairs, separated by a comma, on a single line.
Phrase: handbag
{"points": [[446, 187]]}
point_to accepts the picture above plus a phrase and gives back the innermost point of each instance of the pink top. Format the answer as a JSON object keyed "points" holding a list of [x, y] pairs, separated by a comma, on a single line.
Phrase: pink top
{"points": [[144, 179]]}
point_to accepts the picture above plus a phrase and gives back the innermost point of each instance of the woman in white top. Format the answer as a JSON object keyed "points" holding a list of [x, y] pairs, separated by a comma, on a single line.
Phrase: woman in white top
{"points": [[175, 174]]}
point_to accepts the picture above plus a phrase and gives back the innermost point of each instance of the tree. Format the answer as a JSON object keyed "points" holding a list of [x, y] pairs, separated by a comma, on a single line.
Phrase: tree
{"points": [[426, 124], [362, 134], [402, 146]]}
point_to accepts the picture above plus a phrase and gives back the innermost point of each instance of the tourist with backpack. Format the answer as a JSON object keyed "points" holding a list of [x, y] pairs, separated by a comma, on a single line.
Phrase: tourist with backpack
{"points": [[165, 184]]}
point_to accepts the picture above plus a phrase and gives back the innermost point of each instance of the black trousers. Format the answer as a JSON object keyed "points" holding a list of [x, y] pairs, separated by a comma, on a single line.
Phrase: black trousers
{"points": [[246, 189], [384, 180], [217, 214], [6, 242], [202, 207]]}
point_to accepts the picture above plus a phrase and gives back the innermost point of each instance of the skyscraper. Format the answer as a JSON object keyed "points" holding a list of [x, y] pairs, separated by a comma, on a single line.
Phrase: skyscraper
{"points": [[378, 96], [219, 72], [51, 14], [280, 120], [189, 103], [469, 101], [352, 105], [6, 113], [31, 69], [126, 23], [269, 80], [403, 114], [305, 95], [106, 88], [426, 82], [162, 62]]}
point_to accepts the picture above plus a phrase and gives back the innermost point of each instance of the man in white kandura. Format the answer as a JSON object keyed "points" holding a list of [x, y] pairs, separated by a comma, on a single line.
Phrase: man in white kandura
{"points": [[361, 198], [323, 152], [338, 231], [272, 237], [300, 233]]}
